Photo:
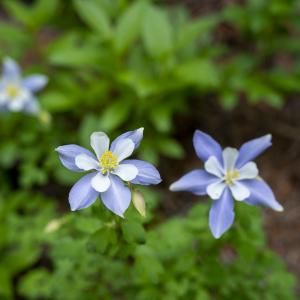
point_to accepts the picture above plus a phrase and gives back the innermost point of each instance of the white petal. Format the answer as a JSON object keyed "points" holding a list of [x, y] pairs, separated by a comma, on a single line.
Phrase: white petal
{"points": [[3, 97], [126, 172], [123, 149], [11, 70], [100, 183], [215, 190], [15, 105], [85, 162], [99, 142], [248, 171], [230, 156], [212, 166], [239, 191]]}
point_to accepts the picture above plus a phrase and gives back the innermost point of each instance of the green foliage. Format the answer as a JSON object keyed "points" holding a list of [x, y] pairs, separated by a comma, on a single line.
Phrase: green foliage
{"points": [[117, 65], [90, 255], [130, 64], [23, 219]]}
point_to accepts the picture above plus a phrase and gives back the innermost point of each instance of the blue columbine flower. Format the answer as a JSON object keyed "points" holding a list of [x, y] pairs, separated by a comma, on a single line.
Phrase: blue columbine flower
{"points": [[109, 169], [227, 175], [16, 93]]}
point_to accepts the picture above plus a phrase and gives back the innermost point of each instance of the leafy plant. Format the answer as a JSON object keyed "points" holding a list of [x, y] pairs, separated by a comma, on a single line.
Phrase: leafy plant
{"points": [[115, 66]]}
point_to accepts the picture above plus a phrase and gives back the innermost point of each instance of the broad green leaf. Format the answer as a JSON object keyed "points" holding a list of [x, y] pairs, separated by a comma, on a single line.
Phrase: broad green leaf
{"points": [[114, 115], [56, 101], [193, 30], [70, 51], [88, 225], [32, 174], [6, 288], [129, 26], [133, 231], [149, 153], [8, 154], [94, 16], [36, 284], [170, 147], [34, 15], [229, 99], [259, 91], [161, 118], [12, 35], [147, 265], [43, 11], [89, 124], [200, 72], [19, 10], [157, 32], [101, 240], [142, 85]]}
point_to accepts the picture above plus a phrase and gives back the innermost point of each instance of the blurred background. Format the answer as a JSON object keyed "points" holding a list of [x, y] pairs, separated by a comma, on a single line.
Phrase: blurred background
{"points": [[230, 68]]}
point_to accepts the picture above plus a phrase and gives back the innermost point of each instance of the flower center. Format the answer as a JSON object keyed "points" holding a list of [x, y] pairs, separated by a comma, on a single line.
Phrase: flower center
{"points": [[231, 176], [12, 91], [108, 162]]}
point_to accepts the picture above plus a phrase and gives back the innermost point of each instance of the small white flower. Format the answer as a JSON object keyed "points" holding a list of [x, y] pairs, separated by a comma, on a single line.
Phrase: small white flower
{"points": [[229, 175], [16, 93], [109, 171]]}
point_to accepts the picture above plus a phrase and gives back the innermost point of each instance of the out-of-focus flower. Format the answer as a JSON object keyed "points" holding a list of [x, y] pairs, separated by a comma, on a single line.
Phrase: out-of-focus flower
{"points": [[109, 168], [17, 93], [53, 225], [227, 175], [139, 203], [45, 117]]}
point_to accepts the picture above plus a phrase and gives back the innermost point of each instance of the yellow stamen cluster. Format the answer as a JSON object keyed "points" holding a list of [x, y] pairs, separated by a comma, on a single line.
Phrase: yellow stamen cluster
{"points": [[108, 162], [12, 91], [231, 175]]}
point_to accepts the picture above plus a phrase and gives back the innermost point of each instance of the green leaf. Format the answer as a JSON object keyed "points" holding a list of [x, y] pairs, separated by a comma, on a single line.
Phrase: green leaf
{"points": [[114, 115], [88, 125], [69, 50], [229, 99], [149, 153], [87, 224], [6, 288], [94, 16], [55, 101], [142, 85], [43, 11], [259, 91], [170, 147], [8, 153], [133, 232], [31, 174], [157, 32], [13, 36], [161, 118], [18, 10], [129, 26], [148, 267], [36, 283], [200, 72], [34, 15], [193, 30], [101, 239]]}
